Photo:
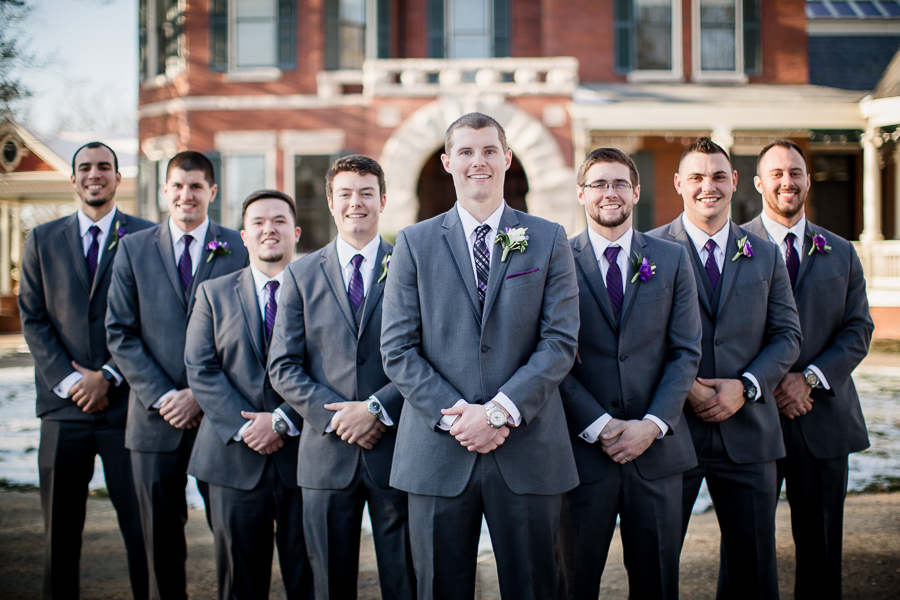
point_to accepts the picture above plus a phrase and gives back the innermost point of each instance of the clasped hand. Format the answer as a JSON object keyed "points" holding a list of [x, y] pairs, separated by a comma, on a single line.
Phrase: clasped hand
{"points": [[472, 430], [181, 410], [89, 392], [354, 424], [623, 441], [714, 400], [259, 435], [792, 396]]}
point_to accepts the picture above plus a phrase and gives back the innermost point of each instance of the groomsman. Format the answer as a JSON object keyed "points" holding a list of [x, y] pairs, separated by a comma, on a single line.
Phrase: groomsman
{"points": [[82, 399], [751, 337], [155, 277], [822, 422], [638, 354], [477, 336], [246, 448], [326, 362]]}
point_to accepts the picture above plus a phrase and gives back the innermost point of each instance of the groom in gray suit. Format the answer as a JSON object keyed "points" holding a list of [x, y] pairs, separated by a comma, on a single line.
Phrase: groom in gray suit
{"points": [[822, 421], [751, 337], [477, 336], [326, 362], [638, 354], [246, 448], [155, 277]]}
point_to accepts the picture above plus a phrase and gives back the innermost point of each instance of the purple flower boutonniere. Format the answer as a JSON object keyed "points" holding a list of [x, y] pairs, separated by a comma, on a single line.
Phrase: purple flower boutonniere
{"points": [[744, 249], [818, 243], [385, 264], [120, 233], [643, 268], [512, 239], [217, 248]]}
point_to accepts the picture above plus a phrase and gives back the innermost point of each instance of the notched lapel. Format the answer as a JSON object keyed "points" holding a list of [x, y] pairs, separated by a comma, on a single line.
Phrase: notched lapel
{"points": [[246, 294], [376, 288], [498, 269], [107, 255], [455, 239], [331, 268], [593, 277], [806, 261], [205, 266], [678, 234], [73, 241], [732, 268], [167, 256], [631, 288]]}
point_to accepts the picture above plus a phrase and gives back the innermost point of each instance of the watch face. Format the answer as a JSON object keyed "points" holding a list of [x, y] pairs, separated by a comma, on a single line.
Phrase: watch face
{"points": [[497, 419], [375, 407], [812, 379], [279, 426]]}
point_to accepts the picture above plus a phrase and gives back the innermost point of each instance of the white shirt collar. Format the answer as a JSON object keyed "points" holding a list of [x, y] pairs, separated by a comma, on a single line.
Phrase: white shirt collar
{"points": [[700, 237], [260, 279], [199, 234], [600, 243], [778, 232], [346, 252], [470, 223], [85, 223]]}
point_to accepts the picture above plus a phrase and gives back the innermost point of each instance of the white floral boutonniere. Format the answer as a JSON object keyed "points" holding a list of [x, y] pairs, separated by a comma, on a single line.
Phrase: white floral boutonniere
{"points": [[744, 249], [120, 233], [512, 239], [643, 268], [385, 264]]}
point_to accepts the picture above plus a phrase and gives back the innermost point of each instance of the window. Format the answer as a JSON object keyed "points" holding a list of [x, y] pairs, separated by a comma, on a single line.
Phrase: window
{"points": [[648, 46], [241, 175], [160, 38], [313, 217], [468, 28], [726, 39], [354, 31], [252, 35]]}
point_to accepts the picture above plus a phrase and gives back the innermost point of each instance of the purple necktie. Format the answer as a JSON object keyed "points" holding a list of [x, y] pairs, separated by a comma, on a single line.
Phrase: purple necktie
{"points": [[482, 260], [791, 259], [712, 269], [271, 309], [355, 289], [185, 265], [93, 251], [614, 278]]}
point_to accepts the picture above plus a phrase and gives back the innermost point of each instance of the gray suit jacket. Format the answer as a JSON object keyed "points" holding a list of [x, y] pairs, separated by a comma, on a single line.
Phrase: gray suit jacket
{"points": [[438, 347], [146, 323], [754, 329], [834, 315], [225, 358], [318, 356], [63, 311], [642, 361]]}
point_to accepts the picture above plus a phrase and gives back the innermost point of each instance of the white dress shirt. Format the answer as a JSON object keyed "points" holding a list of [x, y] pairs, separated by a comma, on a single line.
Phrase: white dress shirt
{"points": [[699, 238], [777, 233], [469, 224], [600, 244], [85, 223]]}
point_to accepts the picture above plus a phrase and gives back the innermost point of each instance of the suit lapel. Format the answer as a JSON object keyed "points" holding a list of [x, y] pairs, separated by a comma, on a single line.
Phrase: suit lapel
{"points": [[731, 268], [586, 260], [631, 288], [456, 241], [678, 234], [498, 269], [376, 288], [73, 241], [806, 260], [245, 290], [331, 268], [106, 254], [167, 256], [205, 266]]}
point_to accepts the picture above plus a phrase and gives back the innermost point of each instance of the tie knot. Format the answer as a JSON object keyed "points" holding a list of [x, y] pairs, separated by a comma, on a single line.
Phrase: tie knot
{"points": [[710, 245], [611, 253], [95, 231], [481, 232], [356, 261], [789, 238], [272, 286], [187, 239]]}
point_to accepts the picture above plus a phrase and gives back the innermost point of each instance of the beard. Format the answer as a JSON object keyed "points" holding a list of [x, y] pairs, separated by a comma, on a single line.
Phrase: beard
{"points": [[784, 209], [271, 258], [97, 201], [604, 220]]}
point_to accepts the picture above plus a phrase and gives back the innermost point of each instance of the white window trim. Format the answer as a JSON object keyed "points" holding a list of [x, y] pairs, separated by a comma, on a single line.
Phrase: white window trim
{"points": [[246, 74], [676, 74], [158, 150], [245, 143], [489, 21], [737, 75], [153, 78], [309, 142]]}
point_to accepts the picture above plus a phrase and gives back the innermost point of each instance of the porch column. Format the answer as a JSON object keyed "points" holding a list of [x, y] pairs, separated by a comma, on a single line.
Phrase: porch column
{"points": [[5, 267], [724, 136], [871, 189]]}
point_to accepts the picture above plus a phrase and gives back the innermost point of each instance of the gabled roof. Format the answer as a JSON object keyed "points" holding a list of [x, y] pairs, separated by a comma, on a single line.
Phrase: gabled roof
{"points": [[45, 155], [889, 85]]}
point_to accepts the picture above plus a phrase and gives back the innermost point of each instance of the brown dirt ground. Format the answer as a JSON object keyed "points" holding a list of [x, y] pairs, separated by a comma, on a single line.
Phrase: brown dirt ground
{"points": [[871, 554]]}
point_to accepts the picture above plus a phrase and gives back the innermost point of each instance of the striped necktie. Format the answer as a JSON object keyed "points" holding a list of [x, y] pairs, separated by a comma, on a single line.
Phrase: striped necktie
{"points": [[614, 278], [93, 251], [271, 309], [712, 268], [482, 260], [185, 264]]}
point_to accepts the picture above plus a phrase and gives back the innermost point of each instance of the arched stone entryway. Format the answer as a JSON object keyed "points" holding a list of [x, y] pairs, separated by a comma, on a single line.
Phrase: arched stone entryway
{"points": [[550, 180]]}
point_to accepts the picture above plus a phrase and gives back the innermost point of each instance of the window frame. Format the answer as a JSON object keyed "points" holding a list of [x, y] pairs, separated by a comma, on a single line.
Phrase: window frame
{"points": [[737, 75], [285, 29], [635, 75], [230, 144], [152, 42]]}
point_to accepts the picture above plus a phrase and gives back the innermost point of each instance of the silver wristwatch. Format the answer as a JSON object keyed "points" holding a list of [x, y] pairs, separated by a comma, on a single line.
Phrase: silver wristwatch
{"points": [[812, 380], [279, 424], [496, 418], [374, 406]]}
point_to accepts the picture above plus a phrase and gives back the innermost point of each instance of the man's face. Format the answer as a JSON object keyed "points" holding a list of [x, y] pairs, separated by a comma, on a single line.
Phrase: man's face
{"points": [[783, 181], [356, 204], [606, 206], [477, 163], [188, 195], [95, 179], [706, 183], [269, 231]]}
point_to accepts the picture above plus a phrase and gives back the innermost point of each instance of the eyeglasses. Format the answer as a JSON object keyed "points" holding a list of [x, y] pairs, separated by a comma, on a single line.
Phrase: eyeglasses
{"points": [[620, 187]]}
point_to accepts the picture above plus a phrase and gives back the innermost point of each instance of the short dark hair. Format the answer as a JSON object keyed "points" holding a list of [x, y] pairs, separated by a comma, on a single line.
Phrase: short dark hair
{"points": [[475, 121], [92, 146], [786, 144], [704, 145], [267, 195], [608, 155], [354, 163], [190, 160]]}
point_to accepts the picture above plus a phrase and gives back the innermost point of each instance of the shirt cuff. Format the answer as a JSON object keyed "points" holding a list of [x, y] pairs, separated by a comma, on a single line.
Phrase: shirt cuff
{"points": [[384, 417], [63, 387], [118, 378], [515, 417], [822, 381], [240, 434], [755, 383], [592, 433], [292, 429], [162, 398], [663, 428], [447, 421]]}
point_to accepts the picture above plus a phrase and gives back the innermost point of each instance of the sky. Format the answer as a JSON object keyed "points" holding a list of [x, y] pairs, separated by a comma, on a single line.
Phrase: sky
{"points": [[88, 49]]}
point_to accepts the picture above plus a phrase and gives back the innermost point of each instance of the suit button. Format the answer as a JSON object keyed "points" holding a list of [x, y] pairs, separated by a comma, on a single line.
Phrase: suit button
{"points": [[485, 348], [718, 342], [622, 358], [478, 399], [615, 405], [360, 361]]}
